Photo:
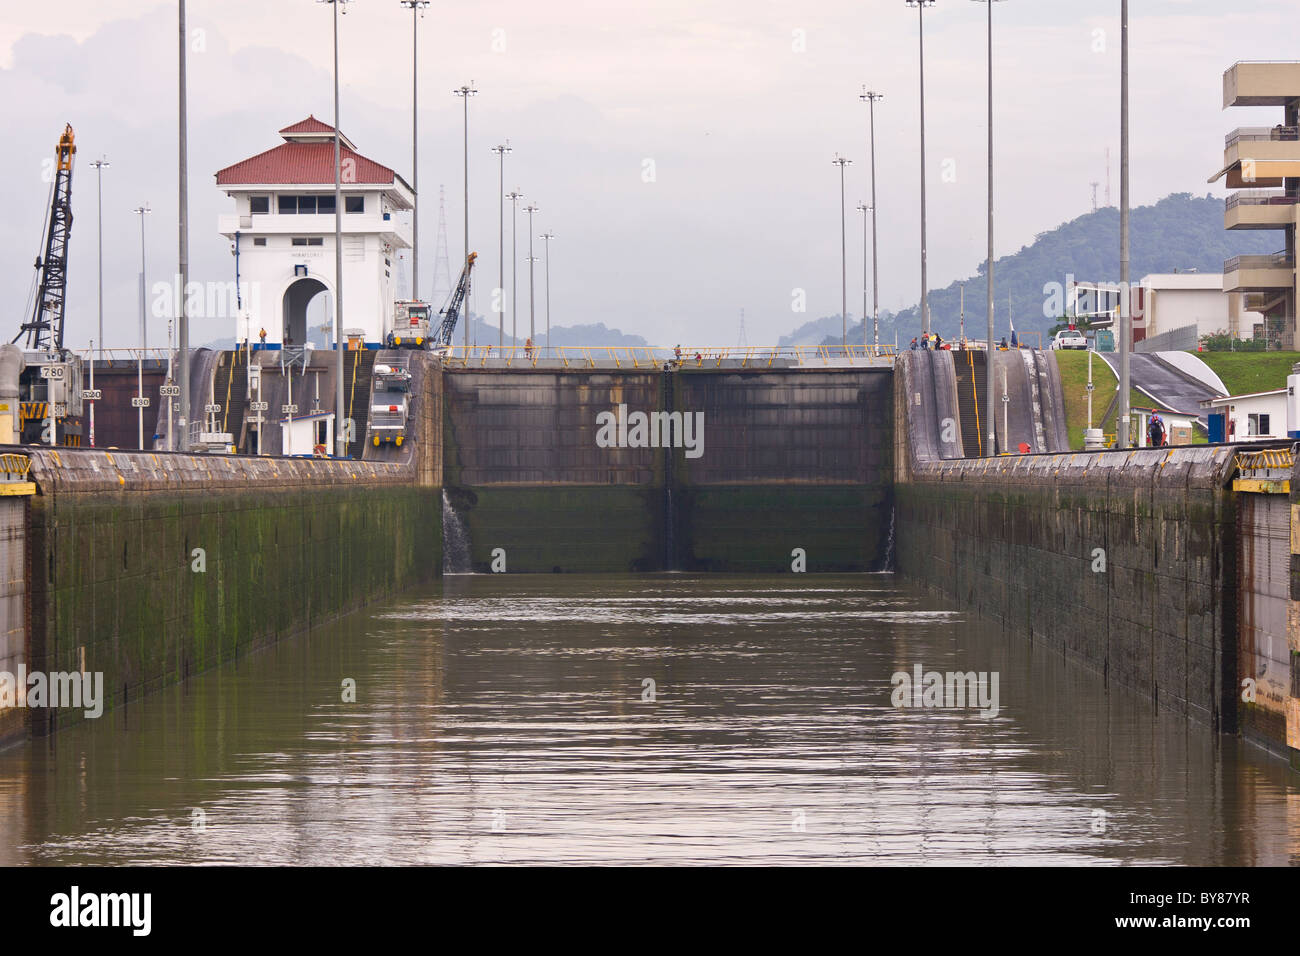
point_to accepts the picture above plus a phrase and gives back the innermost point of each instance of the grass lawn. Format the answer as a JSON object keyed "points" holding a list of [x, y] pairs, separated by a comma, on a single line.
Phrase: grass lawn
{"points": [[1245, 372], [1074, 385]]}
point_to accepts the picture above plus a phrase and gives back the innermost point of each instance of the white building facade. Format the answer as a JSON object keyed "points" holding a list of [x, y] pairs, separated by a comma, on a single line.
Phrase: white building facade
{"points": [[282, 238]]}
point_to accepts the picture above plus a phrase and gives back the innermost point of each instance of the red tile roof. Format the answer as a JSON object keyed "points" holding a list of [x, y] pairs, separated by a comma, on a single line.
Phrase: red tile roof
{"points": [[310, 125], [304, 164]]}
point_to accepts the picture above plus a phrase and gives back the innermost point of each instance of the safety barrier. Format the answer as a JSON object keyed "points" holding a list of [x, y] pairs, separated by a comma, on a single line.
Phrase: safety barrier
{"points": [[647, 356]]}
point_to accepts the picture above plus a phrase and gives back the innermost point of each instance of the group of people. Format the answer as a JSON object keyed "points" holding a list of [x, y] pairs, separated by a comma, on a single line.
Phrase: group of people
{"points": [[932, 342]]}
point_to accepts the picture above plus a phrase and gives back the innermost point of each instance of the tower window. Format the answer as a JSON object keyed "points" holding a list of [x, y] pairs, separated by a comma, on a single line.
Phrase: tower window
{"points": [[308, 241], [259, 204], [354, 203], [260, 241], [288, 205]]}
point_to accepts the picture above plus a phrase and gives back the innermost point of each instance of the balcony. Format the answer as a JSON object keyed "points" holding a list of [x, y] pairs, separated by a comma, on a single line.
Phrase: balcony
{"points": [[1260, 156], [320, 224], [1267, 83], [1259, 209], [1259, 273]]}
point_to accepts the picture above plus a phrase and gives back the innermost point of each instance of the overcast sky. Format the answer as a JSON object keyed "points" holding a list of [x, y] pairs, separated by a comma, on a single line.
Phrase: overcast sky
{"points": [[739, 104]]}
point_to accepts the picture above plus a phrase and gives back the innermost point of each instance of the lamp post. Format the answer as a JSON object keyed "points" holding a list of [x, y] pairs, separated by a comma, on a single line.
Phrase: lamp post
{"points": [[465, 92], [547, 237], [98, 165], [871, 97], [142, 211], [841, 162], [183, 254], [920, 19], [514, 198], [501, 237], [864, 209], [990, 448], [340, 432], [532, 323], [416, 7], [1126, 299]]}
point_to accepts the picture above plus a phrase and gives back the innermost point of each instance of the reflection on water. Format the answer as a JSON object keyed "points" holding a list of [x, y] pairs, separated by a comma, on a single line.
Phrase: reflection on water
{"points": [[653, 719]]}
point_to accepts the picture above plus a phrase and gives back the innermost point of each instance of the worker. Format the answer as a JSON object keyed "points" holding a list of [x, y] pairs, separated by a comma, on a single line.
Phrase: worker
{"points": [[913, 345], [1156, 431], [938, 342], [528, 348], [262, 336], [1002, 346], [677, 352]]}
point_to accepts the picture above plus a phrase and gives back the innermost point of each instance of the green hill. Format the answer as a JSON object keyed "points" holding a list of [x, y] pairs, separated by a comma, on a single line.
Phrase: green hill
{"points": [[1179, 233]]}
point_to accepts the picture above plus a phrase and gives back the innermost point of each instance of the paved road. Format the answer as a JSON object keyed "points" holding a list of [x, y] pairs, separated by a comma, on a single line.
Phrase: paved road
{"points": [[1165, 384]]}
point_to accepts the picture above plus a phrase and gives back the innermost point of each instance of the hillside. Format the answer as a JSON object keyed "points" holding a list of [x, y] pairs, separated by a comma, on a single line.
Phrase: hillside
{"points": [[1181, 232]]}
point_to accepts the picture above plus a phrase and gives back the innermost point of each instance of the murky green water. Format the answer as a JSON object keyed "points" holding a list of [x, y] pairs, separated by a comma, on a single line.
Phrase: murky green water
{"points": [[508, 719]]}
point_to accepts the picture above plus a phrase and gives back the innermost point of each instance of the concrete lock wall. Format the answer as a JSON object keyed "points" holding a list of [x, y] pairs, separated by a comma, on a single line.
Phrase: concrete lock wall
{"points": [[149, 567], [1123, 561], [790, 459]]}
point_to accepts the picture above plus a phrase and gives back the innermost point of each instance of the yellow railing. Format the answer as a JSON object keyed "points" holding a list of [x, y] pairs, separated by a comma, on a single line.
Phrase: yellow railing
{"points": [[15, 467], [646, 356], [1268, 458]]}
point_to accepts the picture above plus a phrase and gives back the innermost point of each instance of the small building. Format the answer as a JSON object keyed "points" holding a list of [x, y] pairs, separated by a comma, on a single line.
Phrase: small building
{"points": [[1180, 427], [1248, 417], [305, 434], [282, 236]]}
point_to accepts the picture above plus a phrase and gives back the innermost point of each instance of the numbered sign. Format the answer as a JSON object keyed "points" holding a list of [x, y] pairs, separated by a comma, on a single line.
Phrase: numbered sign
{"points": [[139, 402], [169, 391], [259, 406], [289, 409], [53, 371], [212, 409], [91, 394]]}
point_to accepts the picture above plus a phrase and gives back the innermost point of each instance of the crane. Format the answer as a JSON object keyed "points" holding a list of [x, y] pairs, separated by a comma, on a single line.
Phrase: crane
{"points": [[452, 312], [44, 330]]}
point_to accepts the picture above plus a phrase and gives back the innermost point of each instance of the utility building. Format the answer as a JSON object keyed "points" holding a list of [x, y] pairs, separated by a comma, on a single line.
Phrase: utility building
{"points": [[282, 238], [1264, 164]]}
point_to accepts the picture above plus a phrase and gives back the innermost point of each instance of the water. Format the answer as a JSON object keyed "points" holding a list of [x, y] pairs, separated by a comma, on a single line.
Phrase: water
{"points": [[508, 719], [455, 541]]}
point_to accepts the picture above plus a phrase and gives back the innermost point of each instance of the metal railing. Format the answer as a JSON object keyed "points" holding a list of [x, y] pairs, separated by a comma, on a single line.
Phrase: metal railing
{"points": [[14, 467], [1259, 197], [1267, 459], [648, 356], [1275, 261], [122, 354], [1262, 134]]}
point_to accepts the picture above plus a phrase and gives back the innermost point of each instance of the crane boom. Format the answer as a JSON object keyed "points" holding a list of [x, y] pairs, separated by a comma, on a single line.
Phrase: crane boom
{"points": [[44, 329], [452, 312]]}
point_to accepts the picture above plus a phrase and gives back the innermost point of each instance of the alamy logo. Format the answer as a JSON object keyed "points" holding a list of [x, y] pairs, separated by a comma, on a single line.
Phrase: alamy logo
{"points": [[652, 430], [75, 908], [76, 689], [953, 690]]}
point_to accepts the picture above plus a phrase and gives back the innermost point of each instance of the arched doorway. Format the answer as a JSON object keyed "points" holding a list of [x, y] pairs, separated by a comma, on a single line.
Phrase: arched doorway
{"points": [[297, 298]]}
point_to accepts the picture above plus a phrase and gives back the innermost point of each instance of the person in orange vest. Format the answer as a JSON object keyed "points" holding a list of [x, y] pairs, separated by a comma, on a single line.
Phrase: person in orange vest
{"points": [[528, 348]]}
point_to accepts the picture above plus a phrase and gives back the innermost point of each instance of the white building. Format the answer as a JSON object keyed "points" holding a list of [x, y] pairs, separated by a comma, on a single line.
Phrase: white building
{"points": [[1249, 417], [282, 236], [1168, 301]]}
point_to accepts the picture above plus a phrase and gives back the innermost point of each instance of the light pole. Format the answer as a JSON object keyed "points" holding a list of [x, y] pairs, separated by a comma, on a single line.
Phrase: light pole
{"points": [[532, 323], [143, 211], [98, 165], [841, 162], [514, 198], [872, 97], [340, 432], [920, 19], [988, 355], [501, 237], [183, 255], [1126, 301], [465, 92], [864, 209], [416, 7], [547, 237]]}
